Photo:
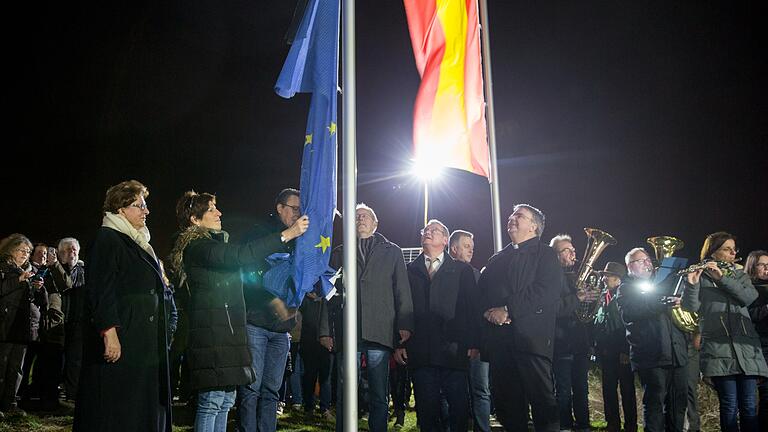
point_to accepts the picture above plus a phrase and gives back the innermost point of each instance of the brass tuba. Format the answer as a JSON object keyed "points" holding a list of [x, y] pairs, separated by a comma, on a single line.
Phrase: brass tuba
{"points": [[664, 247], [587, 279]]}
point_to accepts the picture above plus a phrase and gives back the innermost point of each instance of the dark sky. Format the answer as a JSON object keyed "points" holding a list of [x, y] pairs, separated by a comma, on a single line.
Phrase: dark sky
{"points": [[639, 118]]}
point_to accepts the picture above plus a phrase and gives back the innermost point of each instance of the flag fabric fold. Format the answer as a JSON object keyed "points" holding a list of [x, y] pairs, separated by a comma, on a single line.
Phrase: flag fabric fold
{"points": [[312, 67], [449, 112]]}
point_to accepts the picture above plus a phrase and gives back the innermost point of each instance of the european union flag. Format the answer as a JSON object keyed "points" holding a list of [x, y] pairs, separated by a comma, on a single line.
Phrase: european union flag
{"points": [[312, 67]]}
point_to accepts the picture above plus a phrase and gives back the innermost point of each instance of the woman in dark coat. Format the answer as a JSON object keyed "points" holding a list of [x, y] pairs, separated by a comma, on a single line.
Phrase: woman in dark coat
{"points": [[209, 267], [124, 383], [730, 353], [756, 267], [17, 287]]}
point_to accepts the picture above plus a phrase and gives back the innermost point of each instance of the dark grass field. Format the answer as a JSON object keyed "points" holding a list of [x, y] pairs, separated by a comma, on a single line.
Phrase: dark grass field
{"points": [[295, 420]]}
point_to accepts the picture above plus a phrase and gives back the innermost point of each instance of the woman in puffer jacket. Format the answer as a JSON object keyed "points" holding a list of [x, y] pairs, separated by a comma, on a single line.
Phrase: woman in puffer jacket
{"points": [[730, 355]]}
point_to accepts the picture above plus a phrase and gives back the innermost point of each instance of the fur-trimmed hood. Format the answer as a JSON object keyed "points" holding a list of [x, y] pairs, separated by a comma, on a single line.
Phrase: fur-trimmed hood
{"points": [[192, 233]]}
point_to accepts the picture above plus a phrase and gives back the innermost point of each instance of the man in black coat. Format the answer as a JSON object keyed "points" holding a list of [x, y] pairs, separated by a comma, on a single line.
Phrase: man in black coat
{"points": [[657, 349], [572, 343], [520, 289], [385, 312], [446, 325]]}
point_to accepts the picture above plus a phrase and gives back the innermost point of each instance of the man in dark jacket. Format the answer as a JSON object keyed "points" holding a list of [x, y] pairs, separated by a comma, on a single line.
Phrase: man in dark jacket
{"points": [[572, 343], [385, 312], [613, 353], [461, 246], [657, 349], [269, 322], [520, 289], [443, 292]]}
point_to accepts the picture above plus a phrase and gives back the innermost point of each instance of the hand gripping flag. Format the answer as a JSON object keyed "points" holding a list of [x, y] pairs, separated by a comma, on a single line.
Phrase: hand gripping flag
{"points": [[449, 112], [312, 67]]}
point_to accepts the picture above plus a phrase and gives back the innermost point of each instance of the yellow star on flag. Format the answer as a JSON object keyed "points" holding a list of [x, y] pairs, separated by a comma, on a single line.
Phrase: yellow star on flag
{"points": [[308, 139], [325, 243], [332, 128]]}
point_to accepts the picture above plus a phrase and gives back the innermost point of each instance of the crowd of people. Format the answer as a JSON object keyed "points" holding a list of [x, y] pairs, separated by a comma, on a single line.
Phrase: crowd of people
{"points": [[509, 341]]}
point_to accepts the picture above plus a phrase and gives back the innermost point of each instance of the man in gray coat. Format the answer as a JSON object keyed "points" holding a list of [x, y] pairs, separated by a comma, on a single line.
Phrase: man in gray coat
{"points": [[385, 311]]}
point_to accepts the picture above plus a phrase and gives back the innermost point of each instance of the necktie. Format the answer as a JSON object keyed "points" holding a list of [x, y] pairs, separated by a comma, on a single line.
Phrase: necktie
{"points": [[432, 266]]}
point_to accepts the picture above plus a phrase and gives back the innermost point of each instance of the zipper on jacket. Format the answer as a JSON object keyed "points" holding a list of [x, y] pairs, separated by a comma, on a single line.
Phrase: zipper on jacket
{"points": [[229, 321], [722, 321], [744, 329]]}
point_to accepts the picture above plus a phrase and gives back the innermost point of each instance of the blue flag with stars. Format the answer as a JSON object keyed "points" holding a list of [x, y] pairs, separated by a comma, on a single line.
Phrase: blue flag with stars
{"points": [[312, 67]]}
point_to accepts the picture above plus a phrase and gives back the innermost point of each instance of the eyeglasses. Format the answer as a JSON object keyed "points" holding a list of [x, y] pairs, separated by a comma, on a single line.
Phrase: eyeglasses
{"points": [[295, 209], [432, 230], [761, 265], [643, 260], [142, 206], [25, 251], [730, 249], [571, 250]]}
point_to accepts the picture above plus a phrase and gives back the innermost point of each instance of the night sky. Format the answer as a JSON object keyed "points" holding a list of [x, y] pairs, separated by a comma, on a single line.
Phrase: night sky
{"points": [[638, 118]]}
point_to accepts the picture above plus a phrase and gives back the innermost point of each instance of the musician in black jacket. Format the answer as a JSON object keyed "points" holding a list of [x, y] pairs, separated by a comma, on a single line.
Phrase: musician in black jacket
{"points": [[520, 290], [657, 349], [444, 337]]}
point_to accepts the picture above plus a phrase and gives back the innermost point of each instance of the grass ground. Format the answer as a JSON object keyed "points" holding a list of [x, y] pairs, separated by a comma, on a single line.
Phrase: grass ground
{"points": [[296, 421]]}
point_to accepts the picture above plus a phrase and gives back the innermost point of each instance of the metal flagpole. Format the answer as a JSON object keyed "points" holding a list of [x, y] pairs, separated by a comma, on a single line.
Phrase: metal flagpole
{"points": [[350, 233], [426, 201], [488, 81]]}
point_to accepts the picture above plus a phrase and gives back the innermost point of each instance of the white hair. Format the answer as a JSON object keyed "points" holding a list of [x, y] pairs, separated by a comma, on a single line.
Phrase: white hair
{"points": [[363, 206], [66, 241], [560, 238], [629, 254]]}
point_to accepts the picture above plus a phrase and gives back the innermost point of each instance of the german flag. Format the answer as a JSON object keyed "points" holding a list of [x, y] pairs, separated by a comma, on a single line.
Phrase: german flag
{"points": [[449, 112]]}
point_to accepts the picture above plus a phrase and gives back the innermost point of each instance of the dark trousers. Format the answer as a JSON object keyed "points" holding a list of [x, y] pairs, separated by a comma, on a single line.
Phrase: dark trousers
{"points": [[665, 398], [317, 367], [11, 360], [48, 373], [399, 387], [73, 358], [518, 379], [762, 414], [572, 391], [428, 385], [616, 374], [694, 372]]}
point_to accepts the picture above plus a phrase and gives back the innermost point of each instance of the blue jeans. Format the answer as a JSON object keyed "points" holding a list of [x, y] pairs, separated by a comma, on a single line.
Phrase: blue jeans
{"points": [[377, 367], [481, 395], [762, 414], [258, 400], [212, 409], [571, 390], [736, 394], [294, 381], [428, 385]]}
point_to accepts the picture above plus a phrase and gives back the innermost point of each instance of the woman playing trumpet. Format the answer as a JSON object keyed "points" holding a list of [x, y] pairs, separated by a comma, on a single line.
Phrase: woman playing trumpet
{"points": [[730, 353]]}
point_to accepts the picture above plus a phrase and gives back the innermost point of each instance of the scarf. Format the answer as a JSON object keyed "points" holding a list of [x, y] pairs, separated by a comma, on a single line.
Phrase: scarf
{"points": [[141, 236]]}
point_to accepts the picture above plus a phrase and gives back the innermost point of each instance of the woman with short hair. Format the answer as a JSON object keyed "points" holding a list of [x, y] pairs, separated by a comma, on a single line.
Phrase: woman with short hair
{"points": [[730, 352], [208, 266], [124, 383]]}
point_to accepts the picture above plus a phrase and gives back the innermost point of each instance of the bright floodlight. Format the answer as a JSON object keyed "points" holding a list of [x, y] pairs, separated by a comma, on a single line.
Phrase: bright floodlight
{"points": [[426, 170], [646, 287]]}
